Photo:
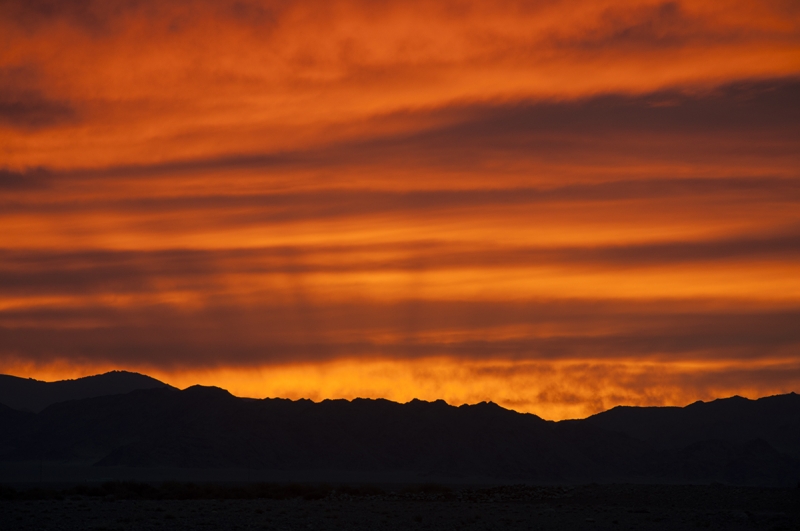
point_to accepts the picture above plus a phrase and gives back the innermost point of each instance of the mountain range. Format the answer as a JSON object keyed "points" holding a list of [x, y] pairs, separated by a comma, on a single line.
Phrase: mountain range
{"points": [[103, 421]]}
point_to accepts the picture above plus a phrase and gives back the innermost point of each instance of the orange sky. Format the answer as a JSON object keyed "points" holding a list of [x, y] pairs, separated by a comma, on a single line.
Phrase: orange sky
{"points": [[557, 206]]}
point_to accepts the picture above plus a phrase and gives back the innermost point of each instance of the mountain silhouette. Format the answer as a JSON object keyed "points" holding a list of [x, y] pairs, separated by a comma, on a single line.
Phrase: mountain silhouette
{"points": [[735, 420], [733, 440], [27, 394]]}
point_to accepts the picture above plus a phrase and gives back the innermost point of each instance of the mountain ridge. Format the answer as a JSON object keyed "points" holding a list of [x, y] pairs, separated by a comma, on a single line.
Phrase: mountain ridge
{"points": [[733, 440], [28, 394]]}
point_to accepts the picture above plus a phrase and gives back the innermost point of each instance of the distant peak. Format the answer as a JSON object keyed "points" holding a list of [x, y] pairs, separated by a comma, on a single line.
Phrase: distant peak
{"points": [[731, 399], [35, 395], [738, 397], [207, 390], [124, 374], [439, 402], [115, 374], [486, 405]]}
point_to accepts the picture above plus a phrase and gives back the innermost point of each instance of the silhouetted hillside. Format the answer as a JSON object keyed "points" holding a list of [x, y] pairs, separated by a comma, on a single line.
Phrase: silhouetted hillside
{"points": [[735, 420], [27, 394], [208, 427], [735, 440]]}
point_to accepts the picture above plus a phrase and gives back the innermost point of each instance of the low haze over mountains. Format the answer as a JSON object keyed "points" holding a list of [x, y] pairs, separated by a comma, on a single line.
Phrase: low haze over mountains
{"points": [[129, 420]]}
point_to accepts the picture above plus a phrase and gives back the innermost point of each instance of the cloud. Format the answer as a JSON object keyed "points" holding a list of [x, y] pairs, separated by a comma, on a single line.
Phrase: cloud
{"points": [[757, 118], [286, 76], [98, 271], [24, 106], [281, 207], [656, 26], [33, 111], [100, 17], [224, 333], [37, 178]]}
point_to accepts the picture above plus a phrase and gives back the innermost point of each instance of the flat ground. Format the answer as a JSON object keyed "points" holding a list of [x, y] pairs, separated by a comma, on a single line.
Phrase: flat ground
{"points": [[615, 507]]}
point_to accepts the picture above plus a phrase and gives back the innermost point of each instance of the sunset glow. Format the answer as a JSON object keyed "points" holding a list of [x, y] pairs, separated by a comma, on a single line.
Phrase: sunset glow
{"points": [[556, 207]]}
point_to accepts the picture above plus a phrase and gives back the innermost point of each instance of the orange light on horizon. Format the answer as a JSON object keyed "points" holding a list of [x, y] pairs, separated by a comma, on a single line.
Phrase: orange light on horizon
{"points": [[551, 390]]}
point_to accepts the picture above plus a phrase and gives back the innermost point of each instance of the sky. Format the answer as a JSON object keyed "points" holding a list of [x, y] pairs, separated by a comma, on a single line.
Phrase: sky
{"points": [[557, 206]]}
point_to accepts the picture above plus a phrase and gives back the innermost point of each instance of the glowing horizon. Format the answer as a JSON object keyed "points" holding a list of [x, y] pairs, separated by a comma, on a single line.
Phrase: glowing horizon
{"points": [[402, 383]]}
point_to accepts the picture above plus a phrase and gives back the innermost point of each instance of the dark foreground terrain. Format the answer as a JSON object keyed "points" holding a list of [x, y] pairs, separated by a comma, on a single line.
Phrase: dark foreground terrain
{"points": [[731, 441], [120, 506]]}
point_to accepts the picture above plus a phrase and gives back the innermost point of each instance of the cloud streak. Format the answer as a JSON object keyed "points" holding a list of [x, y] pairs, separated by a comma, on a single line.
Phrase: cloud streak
{"points": [[26, 272]]}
